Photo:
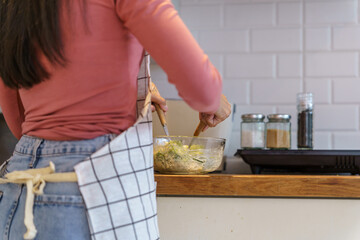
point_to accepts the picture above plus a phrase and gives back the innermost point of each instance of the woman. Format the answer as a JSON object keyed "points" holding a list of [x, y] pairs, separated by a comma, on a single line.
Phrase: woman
{"points": [[69, 71]]}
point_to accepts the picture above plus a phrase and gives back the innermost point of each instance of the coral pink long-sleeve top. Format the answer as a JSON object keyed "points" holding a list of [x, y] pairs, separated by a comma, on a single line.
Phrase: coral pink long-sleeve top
{"points": [[95, 93]]}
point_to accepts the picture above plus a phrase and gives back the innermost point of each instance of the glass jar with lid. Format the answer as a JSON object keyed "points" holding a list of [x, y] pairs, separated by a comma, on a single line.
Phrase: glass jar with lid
{"points": [[305, 120], [253, 131], [278, 131]]}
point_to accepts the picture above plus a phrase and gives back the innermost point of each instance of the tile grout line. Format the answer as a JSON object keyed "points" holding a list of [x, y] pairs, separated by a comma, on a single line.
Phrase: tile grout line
{"points": [[303, 85]]}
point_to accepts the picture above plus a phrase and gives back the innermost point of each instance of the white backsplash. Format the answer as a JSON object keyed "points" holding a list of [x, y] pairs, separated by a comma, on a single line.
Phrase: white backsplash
{"points": [[268, 50]]}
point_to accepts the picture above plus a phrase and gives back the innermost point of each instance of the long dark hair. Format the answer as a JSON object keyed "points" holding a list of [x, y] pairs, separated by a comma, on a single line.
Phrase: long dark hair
{"points": [[27, 28]]}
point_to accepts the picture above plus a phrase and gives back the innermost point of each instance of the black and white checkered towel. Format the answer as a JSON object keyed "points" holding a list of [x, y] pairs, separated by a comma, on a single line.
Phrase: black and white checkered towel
{"points": [[117, 181]]}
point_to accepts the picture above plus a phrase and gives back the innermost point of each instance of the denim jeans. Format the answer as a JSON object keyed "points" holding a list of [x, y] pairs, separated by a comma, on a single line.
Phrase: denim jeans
{"points": [[60, 212]]}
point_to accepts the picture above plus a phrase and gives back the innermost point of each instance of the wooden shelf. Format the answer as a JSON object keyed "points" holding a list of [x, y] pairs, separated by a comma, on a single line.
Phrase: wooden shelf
{"points": [[228, 185]]}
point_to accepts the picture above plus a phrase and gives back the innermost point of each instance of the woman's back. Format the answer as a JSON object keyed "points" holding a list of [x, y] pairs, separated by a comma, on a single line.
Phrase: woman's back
{"points": [[95, 93]]}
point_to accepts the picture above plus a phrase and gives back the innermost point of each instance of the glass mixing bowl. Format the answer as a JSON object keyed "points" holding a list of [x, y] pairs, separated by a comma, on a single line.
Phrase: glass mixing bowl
{"points": [[172, 154]]}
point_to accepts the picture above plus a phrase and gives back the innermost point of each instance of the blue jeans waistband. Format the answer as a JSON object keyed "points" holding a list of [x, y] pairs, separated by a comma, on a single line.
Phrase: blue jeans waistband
{"points": [[28, 144]]}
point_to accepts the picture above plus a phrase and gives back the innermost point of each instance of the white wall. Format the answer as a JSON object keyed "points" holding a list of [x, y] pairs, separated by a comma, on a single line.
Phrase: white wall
{"points": [[269, 50]]}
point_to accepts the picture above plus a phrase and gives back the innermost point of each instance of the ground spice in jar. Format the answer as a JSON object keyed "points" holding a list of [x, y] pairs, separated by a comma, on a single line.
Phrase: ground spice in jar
{"points": [[252, 139], [278, 131], [252, 131], [276, 138], [305, 121], [305, 129]]}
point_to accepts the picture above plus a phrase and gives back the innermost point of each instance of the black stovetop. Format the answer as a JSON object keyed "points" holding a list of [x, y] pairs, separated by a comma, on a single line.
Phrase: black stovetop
{"points": [[302, 161]]}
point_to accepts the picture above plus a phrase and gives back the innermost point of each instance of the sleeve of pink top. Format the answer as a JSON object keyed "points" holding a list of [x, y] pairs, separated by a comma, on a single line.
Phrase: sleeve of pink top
{"points": [[12, 109], [163, 34]]}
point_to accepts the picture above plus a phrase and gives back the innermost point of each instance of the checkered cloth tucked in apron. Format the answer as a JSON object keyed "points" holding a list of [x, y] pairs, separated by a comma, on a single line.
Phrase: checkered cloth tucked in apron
{"points": [[117, 181]]}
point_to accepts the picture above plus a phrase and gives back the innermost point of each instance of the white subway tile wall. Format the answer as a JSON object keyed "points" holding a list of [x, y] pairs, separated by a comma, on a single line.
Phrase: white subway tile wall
{"points": [[331, 12], [289, 13], [249, 66], [279, 40], [317, 39], [332, 64], [269, 50], [289, 65]]}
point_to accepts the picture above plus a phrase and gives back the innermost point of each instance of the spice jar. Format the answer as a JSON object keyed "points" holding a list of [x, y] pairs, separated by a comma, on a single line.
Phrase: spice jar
{"points": [[278, 131], [252, 131], [305, 120]]}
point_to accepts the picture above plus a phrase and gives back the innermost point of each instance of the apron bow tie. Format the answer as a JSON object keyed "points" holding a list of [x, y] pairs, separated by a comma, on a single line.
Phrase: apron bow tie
{"points": [[35, 180]]}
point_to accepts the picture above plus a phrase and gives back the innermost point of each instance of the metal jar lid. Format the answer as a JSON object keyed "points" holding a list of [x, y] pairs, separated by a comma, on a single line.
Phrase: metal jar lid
{"points": [[279, 117], [253, 117]]}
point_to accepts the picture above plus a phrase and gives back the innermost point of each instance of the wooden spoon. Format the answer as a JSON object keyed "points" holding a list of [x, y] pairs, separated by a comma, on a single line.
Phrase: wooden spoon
{"points": [[162, 118], [197, 132]]}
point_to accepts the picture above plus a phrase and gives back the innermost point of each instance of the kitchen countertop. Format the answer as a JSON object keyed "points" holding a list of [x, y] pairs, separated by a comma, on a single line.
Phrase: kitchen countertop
{"points": [[237, 181], [238, 185]]}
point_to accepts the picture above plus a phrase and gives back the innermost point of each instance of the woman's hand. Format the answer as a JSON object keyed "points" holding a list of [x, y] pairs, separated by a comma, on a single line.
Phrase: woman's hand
{"points": [[223, 112], [157, 99]]}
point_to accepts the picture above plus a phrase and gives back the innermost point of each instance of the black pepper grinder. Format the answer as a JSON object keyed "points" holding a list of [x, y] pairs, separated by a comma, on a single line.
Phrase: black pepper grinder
{"points": [[305, 120]]}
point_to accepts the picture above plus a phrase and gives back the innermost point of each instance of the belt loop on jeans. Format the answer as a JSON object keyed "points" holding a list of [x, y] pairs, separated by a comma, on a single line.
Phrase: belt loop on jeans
{"points": [[111, 136], [34, 157]]}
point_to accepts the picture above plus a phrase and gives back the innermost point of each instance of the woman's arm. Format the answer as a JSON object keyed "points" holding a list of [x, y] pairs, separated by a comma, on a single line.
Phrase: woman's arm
{"points": [[12, 109], [163, 34]]}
